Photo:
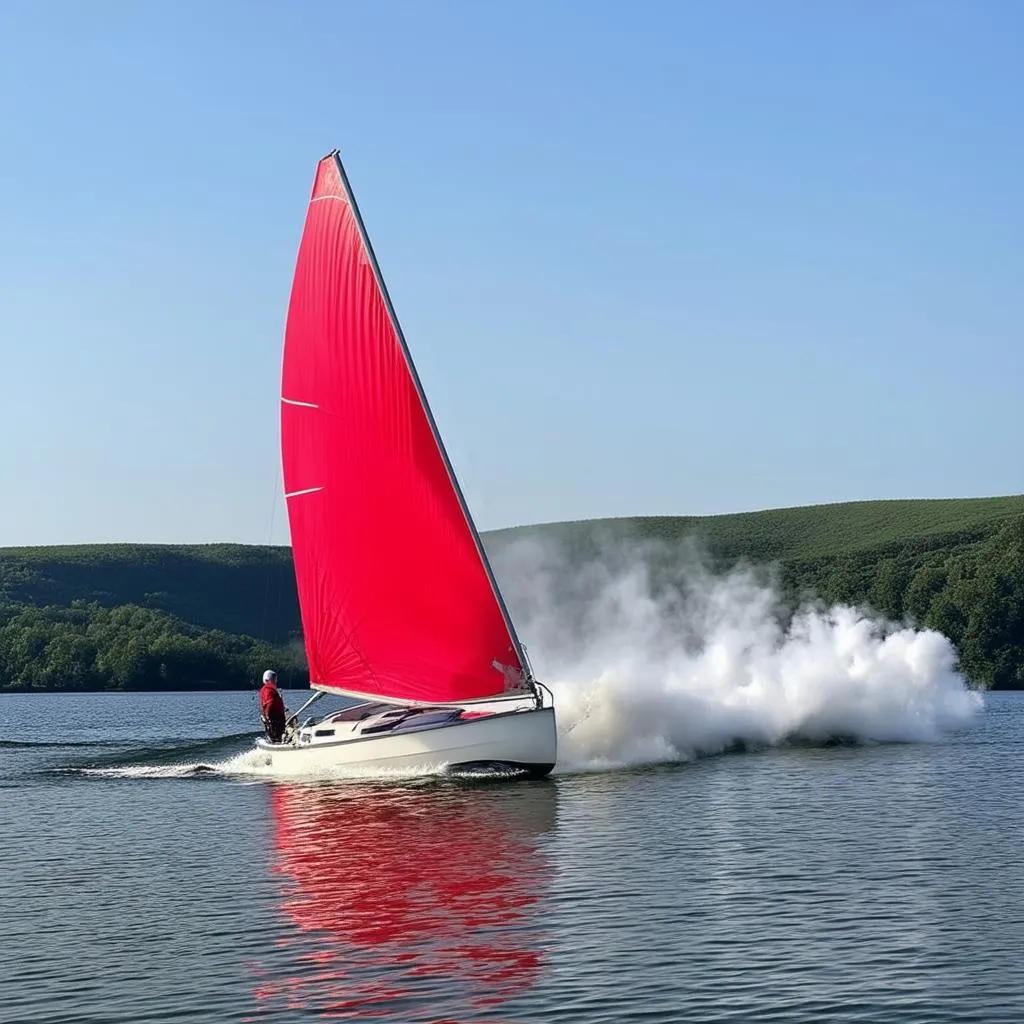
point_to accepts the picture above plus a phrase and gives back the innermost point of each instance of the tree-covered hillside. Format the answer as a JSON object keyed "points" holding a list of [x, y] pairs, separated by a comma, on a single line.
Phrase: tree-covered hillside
{"points": [[171, 616], [236, 588]]}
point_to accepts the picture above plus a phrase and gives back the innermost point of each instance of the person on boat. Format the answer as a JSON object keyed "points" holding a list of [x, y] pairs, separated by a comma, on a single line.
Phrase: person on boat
{"points": [[272, 707]]}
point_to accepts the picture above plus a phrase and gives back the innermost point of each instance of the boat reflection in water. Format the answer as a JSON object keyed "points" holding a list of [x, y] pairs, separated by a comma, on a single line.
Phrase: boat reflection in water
{"points": [[409, 903]]}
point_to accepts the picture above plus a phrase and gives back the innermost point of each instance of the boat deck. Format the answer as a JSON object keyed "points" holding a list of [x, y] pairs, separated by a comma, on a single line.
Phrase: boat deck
{"points": [[365, 720]]}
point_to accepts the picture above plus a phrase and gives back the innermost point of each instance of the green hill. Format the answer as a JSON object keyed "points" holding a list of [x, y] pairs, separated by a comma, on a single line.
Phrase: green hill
{"points": [[188, 615], [808, 532], [236, 588]]}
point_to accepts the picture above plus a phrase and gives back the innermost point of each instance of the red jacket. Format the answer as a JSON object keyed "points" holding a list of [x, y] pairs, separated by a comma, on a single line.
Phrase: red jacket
{"points": [[271, 702]]}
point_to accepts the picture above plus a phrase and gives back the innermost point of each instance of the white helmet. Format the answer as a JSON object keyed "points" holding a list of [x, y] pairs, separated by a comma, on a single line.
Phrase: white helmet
{"points": [[270, 676]]}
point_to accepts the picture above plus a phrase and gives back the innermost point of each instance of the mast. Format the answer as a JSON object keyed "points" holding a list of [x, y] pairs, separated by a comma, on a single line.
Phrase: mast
{"points": [[364, 236]]}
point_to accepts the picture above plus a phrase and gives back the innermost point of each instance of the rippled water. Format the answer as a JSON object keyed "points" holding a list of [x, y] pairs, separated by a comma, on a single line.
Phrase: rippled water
{"points": [[874, 884]]}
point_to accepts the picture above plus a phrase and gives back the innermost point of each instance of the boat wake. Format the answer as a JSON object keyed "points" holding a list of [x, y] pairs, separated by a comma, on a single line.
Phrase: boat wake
{"points": [[168, 759], [649, 667], [148, 771]]}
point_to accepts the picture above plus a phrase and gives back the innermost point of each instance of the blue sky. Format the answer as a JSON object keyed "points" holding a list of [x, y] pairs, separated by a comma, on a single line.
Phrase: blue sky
{"points": [[655, 258]]}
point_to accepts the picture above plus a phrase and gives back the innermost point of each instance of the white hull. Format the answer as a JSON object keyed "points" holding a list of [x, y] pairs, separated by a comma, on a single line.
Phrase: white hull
{"points": [[524, 739]]}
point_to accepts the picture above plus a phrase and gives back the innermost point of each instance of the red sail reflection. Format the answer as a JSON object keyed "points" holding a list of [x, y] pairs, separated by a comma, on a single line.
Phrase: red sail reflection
{"points": [[410, 901]]}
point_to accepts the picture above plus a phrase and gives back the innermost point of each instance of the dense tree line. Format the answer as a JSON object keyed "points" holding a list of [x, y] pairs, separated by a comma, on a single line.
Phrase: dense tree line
{"points": [[85, 646], [972, 591]]}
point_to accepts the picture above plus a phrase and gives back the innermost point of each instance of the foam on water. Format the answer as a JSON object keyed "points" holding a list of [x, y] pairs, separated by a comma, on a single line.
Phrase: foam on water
{"points": [[148, 771]]}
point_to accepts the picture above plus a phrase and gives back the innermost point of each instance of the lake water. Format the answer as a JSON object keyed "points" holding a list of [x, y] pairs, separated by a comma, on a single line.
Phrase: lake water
{"points": [[880, 883]]}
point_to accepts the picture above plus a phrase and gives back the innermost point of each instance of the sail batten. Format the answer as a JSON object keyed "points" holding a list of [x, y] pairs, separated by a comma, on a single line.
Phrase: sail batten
{"points": [[397, 597]]}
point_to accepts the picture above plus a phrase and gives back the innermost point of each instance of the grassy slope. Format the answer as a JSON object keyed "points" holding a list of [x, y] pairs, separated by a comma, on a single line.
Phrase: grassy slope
{"points": [[250, 589], [811, 532]]}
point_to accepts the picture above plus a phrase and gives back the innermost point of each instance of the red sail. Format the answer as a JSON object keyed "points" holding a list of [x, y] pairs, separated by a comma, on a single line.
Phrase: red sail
{"points": [[396, 598]]}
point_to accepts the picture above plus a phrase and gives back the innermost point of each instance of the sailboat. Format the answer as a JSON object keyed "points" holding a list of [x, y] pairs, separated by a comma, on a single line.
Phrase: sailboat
{"points": [[400, 608]]}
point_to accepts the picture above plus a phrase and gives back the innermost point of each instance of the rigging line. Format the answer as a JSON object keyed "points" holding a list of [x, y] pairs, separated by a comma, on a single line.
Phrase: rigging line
{"points": [[270, 550]]}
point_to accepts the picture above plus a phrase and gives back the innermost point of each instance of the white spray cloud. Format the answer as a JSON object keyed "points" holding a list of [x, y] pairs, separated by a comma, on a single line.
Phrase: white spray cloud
{"points": [[651, 667], [652, 658]]}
